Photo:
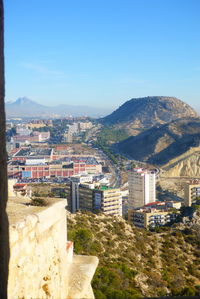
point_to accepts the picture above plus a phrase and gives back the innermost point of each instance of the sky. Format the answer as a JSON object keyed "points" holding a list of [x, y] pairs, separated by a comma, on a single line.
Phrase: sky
{"points": [[102, 52]]}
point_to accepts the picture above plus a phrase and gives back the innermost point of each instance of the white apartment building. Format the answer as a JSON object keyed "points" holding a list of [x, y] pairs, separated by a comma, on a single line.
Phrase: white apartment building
{"points": [[85, 195], [22, 130], [142, 187]]}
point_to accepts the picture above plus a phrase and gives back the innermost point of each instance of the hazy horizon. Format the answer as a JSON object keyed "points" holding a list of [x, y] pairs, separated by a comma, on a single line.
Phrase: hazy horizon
{"points": [[102, 53]]}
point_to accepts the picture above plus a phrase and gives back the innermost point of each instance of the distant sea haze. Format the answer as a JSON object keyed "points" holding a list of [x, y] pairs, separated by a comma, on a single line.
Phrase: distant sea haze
{"points": [[24, 107]]}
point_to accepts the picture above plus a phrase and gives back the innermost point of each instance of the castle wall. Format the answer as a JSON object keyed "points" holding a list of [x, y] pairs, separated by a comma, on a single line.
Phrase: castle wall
{"points": [[39, 261]]}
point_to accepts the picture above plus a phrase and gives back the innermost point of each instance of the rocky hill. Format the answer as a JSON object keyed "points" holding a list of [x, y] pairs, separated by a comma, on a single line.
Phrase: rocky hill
{"points": [[159, 144], [135, 263], [139, 113]]}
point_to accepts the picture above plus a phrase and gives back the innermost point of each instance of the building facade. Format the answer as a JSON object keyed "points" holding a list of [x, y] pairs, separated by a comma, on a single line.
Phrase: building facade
{"points": [[192, 192], [151, 218], [142, 187], [43, 163], [89, 197]]}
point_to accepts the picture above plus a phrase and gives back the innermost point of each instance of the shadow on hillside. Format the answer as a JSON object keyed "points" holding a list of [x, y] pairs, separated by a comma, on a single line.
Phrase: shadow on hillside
{"points": [[165, 195]]}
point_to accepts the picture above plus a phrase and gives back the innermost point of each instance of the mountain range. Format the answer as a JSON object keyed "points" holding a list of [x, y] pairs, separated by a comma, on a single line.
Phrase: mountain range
{"points": [[24, 107]]}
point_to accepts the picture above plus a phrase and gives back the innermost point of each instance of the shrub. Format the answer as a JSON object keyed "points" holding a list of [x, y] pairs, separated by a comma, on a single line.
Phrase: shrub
{"points": [[188, 291], [37, 201]]}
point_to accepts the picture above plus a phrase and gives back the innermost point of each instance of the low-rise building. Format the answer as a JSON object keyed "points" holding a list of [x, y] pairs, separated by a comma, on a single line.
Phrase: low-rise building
{"points": [[151, 218], [35, 137], [153, 214], [25, 153], [22, 130], [93, 197], [192, 192], [44, 169], [85, 125], [28, 162]]}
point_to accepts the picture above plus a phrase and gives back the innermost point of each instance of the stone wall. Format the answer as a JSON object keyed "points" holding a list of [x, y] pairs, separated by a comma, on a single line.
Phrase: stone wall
{"points": [[42, 264], [39, 260]]}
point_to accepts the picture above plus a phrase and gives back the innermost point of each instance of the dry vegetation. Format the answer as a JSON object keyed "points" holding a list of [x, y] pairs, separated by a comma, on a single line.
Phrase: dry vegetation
{"points": [[135, 263]]}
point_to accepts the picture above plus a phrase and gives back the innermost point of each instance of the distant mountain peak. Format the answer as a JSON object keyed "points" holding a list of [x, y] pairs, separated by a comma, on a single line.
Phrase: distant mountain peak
{"points": [[24, 100], [25, 107]]}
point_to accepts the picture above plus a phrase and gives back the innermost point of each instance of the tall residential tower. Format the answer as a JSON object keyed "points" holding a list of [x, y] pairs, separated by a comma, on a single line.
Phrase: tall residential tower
{"points": [[142, 187]]}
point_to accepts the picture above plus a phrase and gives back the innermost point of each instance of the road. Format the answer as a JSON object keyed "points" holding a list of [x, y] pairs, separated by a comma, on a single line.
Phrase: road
{"points": [[115, 180]]}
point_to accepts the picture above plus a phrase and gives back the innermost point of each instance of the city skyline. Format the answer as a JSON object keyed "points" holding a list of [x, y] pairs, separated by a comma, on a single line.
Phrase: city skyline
{"points": [[99, 53]]}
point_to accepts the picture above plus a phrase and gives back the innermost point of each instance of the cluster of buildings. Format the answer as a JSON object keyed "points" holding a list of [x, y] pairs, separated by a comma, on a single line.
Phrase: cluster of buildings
{"points": [[25, 135], [39, 123], [75, 130], [33, 137], [29, 162], [144, 211], [85, 193], [85, 188]]}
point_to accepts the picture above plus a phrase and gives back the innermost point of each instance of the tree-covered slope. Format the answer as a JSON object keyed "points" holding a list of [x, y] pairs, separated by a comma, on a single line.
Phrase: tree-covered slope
{"points": [[135, 263]]}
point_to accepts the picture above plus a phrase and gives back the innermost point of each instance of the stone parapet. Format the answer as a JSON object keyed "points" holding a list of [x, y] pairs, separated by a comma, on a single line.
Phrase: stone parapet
{"points": [[42, 264], [81, 273]]}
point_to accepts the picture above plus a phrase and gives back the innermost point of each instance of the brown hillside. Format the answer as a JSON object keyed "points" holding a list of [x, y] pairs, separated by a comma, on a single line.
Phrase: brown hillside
{"points": [[146, 112], [160, 144]]}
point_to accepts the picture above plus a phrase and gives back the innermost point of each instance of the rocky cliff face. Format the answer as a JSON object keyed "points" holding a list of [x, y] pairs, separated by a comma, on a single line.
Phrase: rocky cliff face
{"points": [[148, 111], [186, 165], [160, 144]]}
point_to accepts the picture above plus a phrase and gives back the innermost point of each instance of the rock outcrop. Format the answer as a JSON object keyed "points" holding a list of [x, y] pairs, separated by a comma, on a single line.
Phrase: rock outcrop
{"points": [[186, 165]]}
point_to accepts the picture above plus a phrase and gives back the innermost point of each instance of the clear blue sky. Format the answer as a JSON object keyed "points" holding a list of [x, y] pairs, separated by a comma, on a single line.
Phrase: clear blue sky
{"points": [[102, 52]]}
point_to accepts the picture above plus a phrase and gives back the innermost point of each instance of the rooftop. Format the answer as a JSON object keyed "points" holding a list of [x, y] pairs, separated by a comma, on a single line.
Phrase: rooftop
{"points": [[88, 160], [33, 152], [104, 188], [155, 203]]}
